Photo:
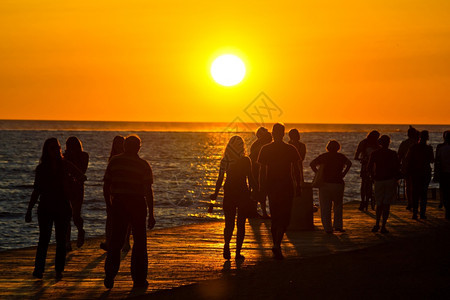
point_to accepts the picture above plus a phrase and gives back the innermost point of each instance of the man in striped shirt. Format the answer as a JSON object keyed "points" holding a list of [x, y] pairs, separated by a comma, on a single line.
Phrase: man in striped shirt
{"points": [[128, 183]]}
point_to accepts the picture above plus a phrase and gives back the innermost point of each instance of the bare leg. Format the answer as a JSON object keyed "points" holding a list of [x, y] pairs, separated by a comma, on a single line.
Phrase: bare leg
{"points": [[230, 215], [240, 233]]}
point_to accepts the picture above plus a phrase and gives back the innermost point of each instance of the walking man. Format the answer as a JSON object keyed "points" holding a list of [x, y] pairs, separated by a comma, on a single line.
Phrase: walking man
{"points": [[128, 183], [278, 162]]}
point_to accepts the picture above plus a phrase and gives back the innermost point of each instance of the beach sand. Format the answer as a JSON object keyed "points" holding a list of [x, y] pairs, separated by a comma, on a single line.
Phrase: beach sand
{"points": [[185, 262]]}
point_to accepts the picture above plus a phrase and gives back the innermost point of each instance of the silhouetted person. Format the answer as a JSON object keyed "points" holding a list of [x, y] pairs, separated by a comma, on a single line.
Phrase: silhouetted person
{"points": [[331, 191], [384, 168], [442, 172], [75, 154], [418, 161], [413, 139], [365, 148], [437, 169], [294, 140], [263, 137], [128, 183], [53, 175], [236, 198], [117, 148], [279, 161]]}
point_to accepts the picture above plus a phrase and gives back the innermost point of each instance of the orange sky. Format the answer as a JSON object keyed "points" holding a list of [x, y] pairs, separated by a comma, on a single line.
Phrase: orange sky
{"points": [[138, 60]]}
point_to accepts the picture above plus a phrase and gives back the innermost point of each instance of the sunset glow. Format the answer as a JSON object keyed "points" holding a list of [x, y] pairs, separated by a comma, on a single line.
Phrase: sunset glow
{"points": [[324, 62]]}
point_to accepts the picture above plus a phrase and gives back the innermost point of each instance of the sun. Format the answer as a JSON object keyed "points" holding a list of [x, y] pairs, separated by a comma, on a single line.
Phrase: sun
{"points": [[228, 70]]}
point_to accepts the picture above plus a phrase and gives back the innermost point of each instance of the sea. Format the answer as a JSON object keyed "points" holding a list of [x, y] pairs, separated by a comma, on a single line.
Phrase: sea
{"points": [[184, 157]]}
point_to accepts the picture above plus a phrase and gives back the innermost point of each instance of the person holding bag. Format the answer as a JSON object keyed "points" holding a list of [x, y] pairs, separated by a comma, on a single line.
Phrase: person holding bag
{"points": [[334, 166]]}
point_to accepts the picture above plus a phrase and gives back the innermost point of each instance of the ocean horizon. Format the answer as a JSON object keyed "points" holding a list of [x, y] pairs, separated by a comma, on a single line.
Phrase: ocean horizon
{"points": [[232, 126]]}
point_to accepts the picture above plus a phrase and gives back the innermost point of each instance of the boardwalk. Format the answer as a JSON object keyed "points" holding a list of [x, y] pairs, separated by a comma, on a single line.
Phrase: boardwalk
{"points": [[189, 254]]}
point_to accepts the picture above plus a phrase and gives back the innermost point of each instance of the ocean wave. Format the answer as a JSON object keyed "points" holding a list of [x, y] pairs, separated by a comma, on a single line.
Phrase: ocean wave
{"points": [[11, 214]]}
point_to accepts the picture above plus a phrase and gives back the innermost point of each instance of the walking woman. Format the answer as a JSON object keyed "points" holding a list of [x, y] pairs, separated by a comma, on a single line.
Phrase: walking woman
{"points": [[75, 154], [331, 191], [236, 199], [50, 187]]}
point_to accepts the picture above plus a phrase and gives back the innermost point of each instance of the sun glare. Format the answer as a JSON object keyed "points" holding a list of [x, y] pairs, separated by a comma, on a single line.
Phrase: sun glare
{"points": [[228, 70]]}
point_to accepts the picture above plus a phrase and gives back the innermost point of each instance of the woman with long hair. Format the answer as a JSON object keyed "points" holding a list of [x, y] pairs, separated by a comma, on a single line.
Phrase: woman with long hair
{"points": [[75, 154], [239, 181], [53, 175], [117, 148]]}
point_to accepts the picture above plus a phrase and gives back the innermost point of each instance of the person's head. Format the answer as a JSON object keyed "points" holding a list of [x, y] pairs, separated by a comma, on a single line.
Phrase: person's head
{"points": [[447, 137], [261, 132], [413, 133], [373, 136], [132, 144], [117, 145], [234, 149], [278, 131], [384, 141], [333, 146], [267, 138], [73, 145], [445, 134], [424, 136], [51, 151], [294, 135]]}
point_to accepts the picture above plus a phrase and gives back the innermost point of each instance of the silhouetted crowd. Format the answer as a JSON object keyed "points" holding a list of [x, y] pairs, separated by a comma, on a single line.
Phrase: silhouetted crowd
{"points": [[272, 171]]}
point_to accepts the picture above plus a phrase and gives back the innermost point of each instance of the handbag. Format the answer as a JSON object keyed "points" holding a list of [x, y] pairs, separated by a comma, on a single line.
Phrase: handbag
{"points": [[318, 178]]}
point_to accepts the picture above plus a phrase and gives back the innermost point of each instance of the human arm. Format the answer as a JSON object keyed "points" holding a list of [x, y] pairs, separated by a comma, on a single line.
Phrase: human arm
{"points": [[218, 183], [348, 165], [314, 164], [358, 151], [296, 160], [35, 194], [107, 193], [148, 190], [262, 160], [33, 199], [251, 179], [297, 177], [74, 171], [149, 201], [85, 162], [302, 151], [107, 187]]}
